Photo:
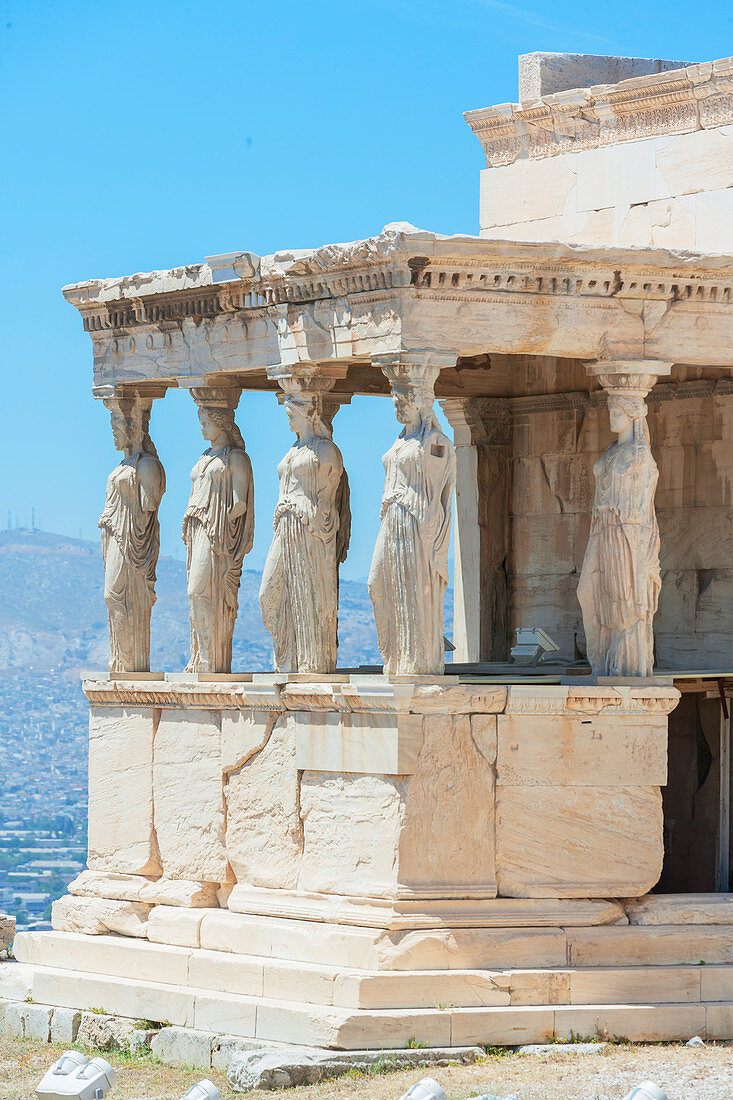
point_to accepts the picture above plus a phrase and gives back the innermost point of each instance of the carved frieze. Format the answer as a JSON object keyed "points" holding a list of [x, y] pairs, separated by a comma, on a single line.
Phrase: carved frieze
{"points": [[681, 101]]}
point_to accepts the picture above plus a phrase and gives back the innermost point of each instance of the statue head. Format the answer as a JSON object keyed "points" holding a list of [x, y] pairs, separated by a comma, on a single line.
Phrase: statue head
{"points": [[130, 417], [412, 400], [627, 410], [413, 393], [305, 414], [219, 427]]}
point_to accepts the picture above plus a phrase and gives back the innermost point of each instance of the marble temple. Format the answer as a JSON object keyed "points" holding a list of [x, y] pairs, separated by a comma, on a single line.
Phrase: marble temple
{"points": [[485, 851]]}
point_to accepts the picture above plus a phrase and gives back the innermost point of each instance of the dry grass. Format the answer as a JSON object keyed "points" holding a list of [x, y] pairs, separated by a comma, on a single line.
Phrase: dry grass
{"points": [[699, 1074]]}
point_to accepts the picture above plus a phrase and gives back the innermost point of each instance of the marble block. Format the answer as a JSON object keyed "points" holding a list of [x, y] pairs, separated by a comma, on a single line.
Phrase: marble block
{"points": [[386, 744], [121, 833], [575, 842], [264, 831], [589, 751], [543, 73], [100, 916], [352, 797], [427, 834], [189, 800]]}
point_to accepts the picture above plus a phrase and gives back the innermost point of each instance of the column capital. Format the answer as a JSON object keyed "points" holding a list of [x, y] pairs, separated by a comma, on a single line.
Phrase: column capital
{"points": [[477, 420], [420, 367], [145, 392], [632, 376], [307, 377], [331, 403], [216, 395]]}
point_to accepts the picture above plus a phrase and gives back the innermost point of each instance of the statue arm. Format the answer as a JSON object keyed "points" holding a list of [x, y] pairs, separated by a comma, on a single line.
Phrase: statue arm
{"points": [[442, 541], [343, 504], [243, 503], [151, 482], [440, 482], [328, 475], [241, 483]]}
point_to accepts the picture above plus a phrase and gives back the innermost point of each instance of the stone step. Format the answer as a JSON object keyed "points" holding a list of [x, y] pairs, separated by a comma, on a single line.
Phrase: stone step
{"points": [[329, 1026], [442, 948], [342, 987]]}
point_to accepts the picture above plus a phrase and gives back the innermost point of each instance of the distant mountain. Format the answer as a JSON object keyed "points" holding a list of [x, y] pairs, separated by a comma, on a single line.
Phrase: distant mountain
{"points": [[53, 616]]}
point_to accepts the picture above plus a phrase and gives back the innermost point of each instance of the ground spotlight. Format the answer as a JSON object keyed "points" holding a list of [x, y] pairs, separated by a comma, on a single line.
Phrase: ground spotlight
{"points": [[647, 1090], [205, 1090], [427, 1089], [74, 1077]]}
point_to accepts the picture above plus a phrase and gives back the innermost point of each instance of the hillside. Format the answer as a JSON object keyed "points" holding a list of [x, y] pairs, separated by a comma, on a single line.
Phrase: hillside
{"points": [[53, 617]]}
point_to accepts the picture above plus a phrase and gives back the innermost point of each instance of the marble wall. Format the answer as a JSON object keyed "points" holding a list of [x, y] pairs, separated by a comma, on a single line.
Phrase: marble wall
{"points": [[674, 191]]}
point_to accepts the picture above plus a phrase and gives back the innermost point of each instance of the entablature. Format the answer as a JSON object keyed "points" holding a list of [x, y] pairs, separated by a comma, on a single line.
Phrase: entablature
{"points": [[403, 293]]}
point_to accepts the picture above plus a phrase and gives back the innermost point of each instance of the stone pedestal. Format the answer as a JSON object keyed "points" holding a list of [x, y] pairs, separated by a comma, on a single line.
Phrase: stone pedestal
{"points": [[354, 862]]}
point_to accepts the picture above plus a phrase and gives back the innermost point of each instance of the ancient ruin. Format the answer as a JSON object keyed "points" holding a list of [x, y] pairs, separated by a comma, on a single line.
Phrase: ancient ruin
{"points": [[460, 853]]}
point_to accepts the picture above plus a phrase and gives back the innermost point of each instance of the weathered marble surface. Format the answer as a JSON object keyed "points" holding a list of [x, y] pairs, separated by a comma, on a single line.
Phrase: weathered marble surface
{"points": [[188, 795], [121, 831], [299, 590], [542, 73], [100, 916], [643, 163], [264, 833], [409, 572], [218, 530], [131, 534], [373, 790]]}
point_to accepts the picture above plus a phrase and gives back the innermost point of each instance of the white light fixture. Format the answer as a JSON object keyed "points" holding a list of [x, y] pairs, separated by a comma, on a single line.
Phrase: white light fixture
{"points": [[427, 1089], [647, 1090], [74, 1077], [205, 1090], [531, 645]]}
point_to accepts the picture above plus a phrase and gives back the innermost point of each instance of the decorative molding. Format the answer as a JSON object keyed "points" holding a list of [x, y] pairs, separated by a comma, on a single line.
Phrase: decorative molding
{"points": [[214, 696], [478, 421], [572, 278], [423, 696], [473, 412], [423, 265], [593, 699], [677, 102]]}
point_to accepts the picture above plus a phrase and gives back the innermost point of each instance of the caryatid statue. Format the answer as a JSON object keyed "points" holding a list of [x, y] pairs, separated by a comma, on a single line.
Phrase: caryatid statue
{"points": [[299, 591], [620, 579], [218, 530], [409, 572], [131, 534]]}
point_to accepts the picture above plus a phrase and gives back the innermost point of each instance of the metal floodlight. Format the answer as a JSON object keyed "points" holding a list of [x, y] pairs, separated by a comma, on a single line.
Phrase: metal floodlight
{"points": [[647, 1090], [531, 645], [427, 1089], [205, 1090], [74, 1077]]}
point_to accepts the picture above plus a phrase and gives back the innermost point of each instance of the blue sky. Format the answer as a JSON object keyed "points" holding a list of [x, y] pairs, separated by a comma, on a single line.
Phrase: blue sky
{"points": [[146, 135]]}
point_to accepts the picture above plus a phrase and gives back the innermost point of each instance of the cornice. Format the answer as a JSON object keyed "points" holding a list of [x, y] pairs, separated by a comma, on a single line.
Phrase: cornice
{"points": [[399, 265], [424, 696], [681, 101]]}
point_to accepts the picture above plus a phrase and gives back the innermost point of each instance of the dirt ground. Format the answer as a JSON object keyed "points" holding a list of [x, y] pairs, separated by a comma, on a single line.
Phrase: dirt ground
{"points": [[685, 1074]]}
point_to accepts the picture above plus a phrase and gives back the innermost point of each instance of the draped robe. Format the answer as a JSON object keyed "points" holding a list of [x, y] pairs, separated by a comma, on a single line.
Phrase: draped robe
{"points": [[130, 547], [216, 544], [409, 572], [299, 591], [620, 578]]}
